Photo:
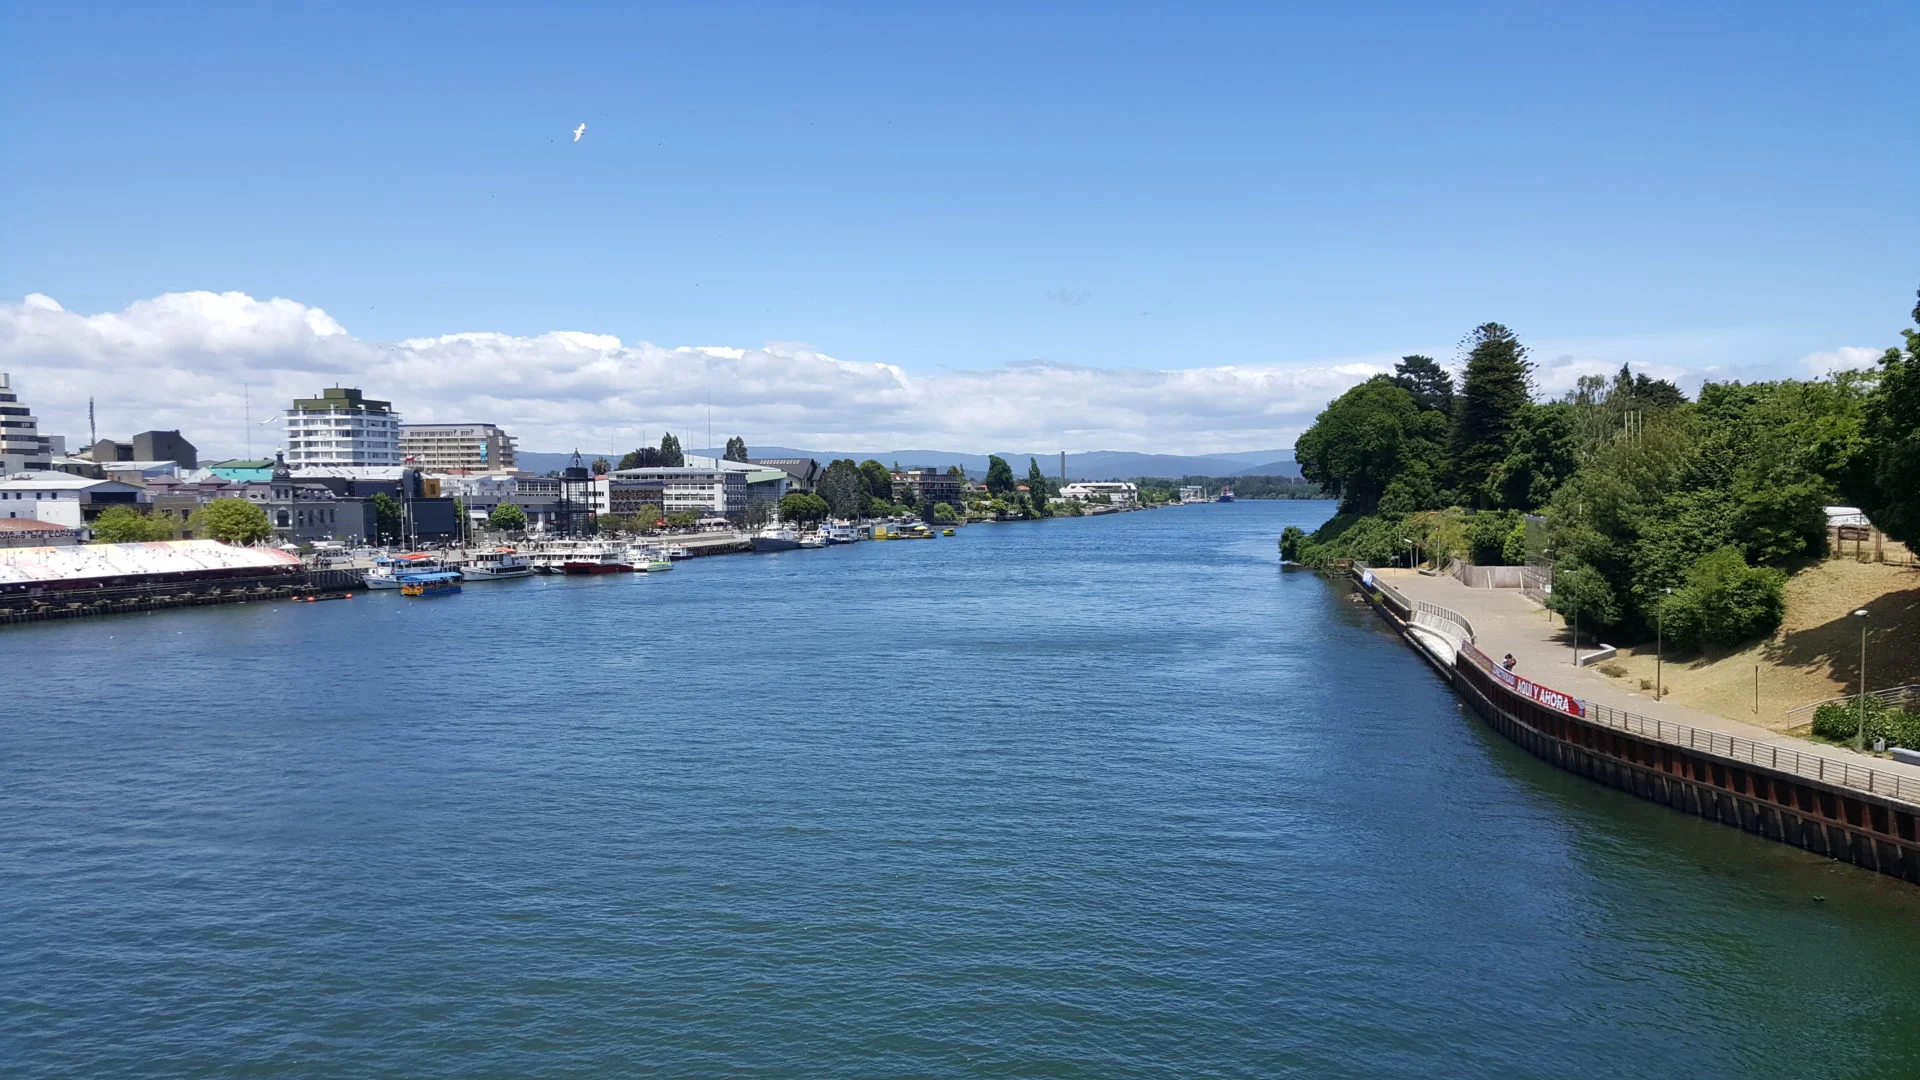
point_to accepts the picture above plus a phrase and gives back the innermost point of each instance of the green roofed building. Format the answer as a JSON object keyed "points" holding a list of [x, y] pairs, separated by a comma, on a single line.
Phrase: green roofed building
{"points": [[243, 469]]}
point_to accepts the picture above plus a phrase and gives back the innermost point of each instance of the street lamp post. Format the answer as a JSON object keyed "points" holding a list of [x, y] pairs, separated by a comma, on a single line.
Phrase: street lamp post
{"points": [[1659, 644], [1860, 733], [1576, 629]]}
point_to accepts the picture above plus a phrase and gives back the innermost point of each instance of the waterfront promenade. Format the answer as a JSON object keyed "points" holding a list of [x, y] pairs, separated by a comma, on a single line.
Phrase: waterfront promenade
{"points": [[1505, 621]]}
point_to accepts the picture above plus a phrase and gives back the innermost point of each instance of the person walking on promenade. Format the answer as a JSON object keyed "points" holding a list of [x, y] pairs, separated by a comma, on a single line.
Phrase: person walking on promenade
{"points": [[1508, 662]]}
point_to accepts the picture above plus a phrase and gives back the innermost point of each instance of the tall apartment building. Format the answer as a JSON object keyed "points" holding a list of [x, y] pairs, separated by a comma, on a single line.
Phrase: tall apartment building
{"points": [[457, 447], [342, 427], [22, 448]]}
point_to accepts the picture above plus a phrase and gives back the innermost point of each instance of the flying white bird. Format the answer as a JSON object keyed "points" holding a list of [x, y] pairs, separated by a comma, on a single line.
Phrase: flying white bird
{"points": [[579, 131]]}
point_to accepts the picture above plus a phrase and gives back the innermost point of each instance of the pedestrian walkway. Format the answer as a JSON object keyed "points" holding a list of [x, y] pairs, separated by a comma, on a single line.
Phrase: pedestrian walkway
{"points": [[1505, 621]]}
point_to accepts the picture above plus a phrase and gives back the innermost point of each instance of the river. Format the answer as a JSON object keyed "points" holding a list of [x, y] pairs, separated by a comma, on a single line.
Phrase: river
{"points": [[1100, 797]]}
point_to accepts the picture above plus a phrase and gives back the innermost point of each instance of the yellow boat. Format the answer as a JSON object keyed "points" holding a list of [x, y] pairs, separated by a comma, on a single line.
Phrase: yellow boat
{"points": [[946, 532]]}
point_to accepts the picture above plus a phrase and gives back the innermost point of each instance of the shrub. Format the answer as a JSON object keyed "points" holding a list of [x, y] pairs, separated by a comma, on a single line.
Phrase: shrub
{"points": [[1840, 721], [1612, 671], [1487, 533], [1725, 601], [1291, 539]]}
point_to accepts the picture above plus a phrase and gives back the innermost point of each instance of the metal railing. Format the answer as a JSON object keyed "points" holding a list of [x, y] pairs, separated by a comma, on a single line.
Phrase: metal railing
{"points": [[1785, 759], [1446, 616], [1900, 697]]}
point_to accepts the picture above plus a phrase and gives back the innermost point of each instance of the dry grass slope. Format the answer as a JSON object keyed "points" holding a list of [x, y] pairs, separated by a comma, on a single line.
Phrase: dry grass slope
{"points": [[1816, 652]]}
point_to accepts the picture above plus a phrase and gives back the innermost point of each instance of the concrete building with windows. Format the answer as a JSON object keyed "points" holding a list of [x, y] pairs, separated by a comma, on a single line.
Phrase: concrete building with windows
{"points": [[1114, 492], [708, 490], [927, 486], [457, 447], [62, 498], [22, 447], [342, 427]]}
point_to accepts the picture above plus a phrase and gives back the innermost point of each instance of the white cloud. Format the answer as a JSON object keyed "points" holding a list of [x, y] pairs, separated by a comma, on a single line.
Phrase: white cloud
{"points": [[182, 359], [1844, 358]]}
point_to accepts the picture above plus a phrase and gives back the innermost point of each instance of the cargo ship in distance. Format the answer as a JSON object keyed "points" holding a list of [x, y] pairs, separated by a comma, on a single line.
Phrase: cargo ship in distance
{"points": [[1226, 495]]}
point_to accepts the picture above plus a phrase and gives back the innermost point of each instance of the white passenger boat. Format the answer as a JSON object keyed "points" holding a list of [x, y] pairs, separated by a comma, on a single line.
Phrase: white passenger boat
{"points": [[388, 571], [840, 532], [598, 557], [678, 551], [651, 560], [550, 556], [496, 565], [812, 540]]}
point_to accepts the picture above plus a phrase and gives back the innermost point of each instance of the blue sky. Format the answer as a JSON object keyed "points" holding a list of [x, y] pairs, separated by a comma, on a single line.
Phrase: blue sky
{"points": [[963, 187]]}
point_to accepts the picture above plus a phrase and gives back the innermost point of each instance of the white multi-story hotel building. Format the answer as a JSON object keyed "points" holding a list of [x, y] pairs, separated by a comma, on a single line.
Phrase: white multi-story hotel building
{"points": [[341, 427], [457, 447], [22, 449]]}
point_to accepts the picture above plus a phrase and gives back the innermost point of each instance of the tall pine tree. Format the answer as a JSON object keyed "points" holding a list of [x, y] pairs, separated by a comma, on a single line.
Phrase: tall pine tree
{"points": [[670, 455], [1037, 487], [736, 449], [1494, 393]]}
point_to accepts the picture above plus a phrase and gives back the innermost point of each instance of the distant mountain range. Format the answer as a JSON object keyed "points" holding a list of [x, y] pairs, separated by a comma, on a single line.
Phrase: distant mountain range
{"points": [[1098, 465]]}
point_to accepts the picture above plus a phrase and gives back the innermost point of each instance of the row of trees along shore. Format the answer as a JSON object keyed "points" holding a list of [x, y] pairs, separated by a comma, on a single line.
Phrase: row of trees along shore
{"points": [[1653, 505]]}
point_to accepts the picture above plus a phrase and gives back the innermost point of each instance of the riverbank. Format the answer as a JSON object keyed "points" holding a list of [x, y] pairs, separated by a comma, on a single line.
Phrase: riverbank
{"points": [[1830, 801]]}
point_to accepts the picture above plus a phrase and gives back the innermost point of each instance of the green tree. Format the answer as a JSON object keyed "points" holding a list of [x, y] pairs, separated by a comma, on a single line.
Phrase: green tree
{"points": [[235, 521], [508, 518], [736, 449], [387, 519], [1037, 486], [601, 466], [683, 519], [646, 457], [670, 455], [1579, 593], [1367, 438], [999, 476], [1428, 382], [879, 481], [842, 485], [944, 513], [1889, 489], [803, 509], [1724, 601], [1541, 454], [1494, 393], [126, 525]]}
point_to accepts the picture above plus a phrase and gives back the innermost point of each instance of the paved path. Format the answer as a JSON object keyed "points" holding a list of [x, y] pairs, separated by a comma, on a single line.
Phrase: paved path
{"points": [[1504, 622]]}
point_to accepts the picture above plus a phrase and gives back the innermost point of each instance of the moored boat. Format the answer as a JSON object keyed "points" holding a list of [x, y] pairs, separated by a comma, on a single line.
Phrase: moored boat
{"points": [[840, 532], [651, 560], [593, 557], [496, 565], [438, 583], [388, 571], [776, 538]]}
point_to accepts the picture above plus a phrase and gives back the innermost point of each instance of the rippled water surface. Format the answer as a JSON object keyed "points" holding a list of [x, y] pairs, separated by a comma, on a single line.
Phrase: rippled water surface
{"points": [[1104, 797]]}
